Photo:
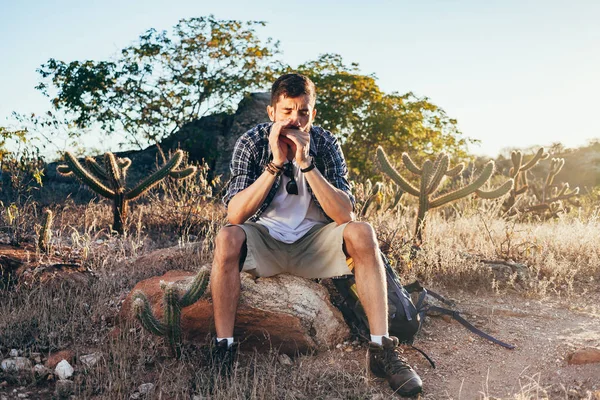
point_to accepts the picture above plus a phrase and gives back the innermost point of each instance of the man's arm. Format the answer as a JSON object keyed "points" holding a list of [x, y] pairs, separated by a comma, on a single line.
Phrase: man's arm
{"points": [[335, 202], [244, 204], [248, 200]]}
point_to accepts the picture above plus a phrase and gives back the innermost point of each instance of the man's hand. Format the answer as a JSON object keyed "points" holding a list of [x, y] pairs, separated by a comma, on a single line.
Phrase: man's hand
{"points": [[299, 142], [278, 141]]}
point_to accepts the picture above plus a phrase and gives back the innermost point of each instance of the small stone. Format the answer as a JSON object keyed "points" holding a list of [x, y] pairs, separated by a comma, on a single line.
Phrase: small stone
{"points": [[16, 364], [146, 388], [135, 396], [14, 353], [64, 389], [40, 371], [22, 395], [284, 359], [55, 358], [3, 384], [64, 370], [89, 360]]}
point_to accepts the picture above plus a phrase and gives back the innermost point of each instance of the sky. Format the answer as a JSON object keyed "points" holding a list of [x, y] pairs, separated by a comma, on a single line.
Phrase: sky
{"points": [[513, 73]]}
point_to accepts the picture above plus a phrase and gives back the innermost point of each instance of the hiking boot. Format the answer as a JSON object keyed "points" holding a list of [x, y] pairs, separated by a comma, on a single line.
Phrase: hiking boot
{"points": [[386, 362], [223, 357]]}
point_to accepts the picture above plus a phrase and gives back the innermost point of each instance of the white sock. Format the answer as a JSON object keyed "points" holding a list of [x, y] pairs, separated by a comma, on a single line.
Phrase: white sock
{"points": [[230, 340], [377, 338]]}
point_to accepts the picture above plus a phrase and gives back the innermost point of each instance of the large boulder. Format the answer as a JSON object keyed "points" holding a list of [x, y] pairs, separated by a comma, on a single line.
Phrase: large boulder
{"points": [[284, 312]]}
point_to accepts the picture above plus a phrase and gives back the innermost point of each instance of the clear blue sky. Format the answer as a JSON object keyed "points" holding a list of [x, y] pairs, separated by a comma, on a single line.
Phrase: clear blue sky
{"points": [[514, 73]]}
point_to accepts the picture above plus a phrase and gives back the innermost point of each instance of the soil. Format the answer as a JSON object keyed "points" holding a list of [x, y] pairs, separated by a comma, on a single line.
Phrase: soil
{"points": [[545, 332]]}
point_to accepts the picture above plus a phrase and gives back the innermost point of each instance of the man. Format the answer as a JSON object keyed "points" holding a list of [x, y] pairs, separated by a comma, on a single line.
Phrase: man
{"points": [[290, 211]]}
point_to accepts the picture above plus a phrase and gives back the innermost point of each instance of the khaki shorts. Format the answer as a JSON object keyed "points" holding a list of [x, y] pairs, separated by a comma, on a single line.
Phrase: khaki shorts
{"points": [[318, 254]]}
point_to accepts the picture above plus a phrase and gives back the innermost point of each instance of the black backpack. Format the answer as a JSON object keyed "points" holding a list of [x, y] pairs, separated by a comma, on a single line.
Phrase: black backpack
{"points": [[404, 317]]}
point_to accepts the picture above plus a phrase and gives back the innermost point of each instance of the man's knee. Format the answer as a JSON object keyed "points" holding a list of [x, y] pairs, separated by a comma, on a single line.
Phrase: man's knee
{"points": [[360, 236], [229, 244]]}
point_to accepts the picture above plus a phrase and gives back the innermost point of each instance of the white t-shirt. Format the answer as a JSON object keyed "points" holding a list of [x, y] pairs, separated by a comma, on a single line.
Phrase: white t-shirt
{"points": [[289, 216]]}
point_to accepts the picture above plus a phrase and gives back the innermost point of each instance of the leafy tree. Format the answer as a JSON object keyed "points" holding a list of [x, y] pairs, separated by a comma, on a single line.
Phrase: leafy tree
{"points": [[164, 81], [352, 105]]}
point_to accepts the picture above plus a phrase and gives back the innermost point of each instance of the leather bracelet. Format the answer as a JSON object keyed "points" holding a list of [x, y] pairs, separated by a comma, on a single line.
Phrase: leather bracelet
{"points": [[273, 169], [310, 167]]}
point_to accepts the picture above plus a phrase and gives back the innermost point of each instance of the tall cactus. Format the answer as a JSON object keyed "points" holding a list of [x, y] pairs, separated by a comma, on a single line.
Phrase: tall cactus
{"points": [[432, 174], [173, 303], [109, 180], [519, 173], [46, 232]]}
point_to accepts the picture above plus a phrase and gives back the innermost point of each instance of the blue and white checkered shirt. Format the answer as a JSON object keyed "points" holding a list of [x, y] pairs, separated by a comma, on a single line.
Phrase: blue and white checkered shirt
{"points": [[252, 153]]}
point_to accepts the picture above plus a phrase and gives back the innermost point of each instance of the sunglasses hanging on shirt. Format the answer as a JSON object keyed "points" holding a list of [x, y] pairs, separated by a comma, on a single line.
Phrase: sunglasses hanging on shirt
{"points": [[292, 186]]}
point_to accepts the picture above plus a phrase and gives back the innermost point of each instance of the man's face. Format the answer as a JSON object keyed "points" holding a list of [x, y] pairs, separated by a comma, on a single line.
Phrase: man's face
{"points": [[298, 109]]}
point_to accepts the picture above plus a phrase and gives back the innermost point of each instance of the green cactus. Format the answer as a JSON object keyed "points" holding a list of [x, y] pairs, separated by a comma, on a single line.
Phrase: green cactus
{"points": [[46, 232], [432, 174], [551, 196], [173, 303], [519, 173], [109, 181]]}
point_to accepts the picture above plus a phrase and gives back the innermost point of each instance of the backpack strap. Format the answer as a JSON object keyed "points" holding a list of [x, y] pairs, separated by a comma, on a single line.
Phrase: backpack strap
{"points": [[456, 315], [393, 278], [424, 355], [417, 287]]}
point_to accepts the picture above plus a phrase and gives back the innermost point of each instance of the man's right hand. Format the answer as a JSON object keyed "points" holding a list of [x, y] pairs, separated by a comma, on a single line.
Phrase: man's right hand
{"points": [[279, 147]]}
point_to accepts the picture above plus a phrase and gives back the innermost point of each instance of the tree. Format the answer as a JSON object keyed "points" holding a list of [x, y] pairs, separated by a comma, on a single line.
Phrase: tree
{"points": [[164, 81], [362, 116]]}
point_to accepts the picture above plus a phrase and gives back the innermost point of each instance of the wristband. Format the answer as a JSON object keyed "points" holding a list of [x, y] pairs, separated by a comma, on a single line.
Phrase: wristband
{"points": [[273, 169], [310, 167]]}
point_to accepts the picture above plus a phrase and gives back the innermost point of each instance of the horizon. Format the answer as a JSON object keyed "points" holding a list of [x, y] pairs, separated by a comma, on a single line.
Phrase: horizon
{"points": [[514, 75]]}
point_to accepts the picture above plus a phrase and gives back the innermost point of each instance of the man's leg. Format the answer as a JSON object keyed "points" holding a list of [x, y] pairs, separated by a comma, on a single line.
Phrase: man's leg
{"points": [[385, 359], [361, 245], [225, 278]]}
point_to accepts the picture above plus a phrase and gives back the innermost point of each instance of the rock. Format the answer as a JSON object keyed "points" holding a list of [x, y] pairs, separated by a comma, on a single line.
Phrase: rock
{"points": [[587, 355], [16, 364], [146, 388], [64, 389], [55, 358], [64, 370], [40, 371], [283, 312], [89, 360], [14, 353]]}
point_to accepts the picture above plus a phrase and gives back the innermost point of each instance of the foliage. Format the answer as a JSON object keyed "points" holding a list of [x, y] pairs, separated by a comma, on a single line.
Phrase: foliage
{"points": [[173, 302], [354, 108], [21, 172], [164, 80], [431, 176], [109, 180]]}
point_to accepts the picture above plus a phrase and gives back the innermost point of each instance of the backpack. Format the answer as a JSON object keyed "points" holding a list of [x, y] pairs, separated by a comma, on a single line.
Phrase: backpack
{"points": [[404, 317]]}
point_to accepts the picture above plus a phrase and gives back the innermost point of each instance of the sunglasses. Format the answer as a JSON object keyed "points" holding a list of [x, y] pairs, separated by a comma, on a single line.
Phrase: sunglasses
{"points": [[292, 186]]}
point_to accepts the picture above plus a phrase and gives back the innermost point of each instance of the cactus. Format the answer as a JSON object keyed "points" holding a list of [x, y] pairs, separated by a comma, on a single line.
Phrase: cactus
{"points": [[173, 303], [432, 174], [551, 196], [519, 173], [109, 181], [46, 232]]}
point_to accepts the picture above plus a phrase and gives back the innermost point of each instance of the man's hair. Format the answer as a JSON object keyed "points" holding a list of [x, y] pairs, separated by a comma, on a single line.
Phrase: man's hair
{"points": [[293, 85]]}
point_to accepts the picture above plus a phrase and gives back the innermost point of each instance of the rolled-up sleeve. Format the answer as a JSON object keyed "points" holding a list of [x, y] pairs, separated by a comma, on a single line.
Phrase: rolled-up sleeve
{"points": [[242, 173]]}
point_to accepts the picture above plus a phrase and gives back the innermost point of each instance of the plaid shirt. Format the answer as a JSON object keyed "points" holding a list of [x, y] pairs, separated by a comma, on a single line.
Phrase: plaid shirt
{"points": [[252, 153]]}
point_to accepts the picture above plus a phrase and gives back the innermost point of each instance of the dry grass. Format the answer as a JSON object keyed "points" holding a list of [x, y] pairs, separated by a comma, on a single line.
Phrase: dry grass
{"points": [[562, 257]]}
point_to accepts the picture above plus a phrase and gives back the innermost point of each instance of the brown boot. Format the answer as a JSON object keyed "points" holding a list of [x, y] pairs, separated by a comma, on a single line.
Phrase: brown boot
{"points": [[386, 362]]}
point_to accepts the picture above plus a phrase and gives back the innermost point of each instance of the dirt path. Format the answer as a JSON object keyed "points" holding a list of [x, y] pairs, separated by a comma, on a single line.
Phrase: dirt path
{"points": [[544, 332]]}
